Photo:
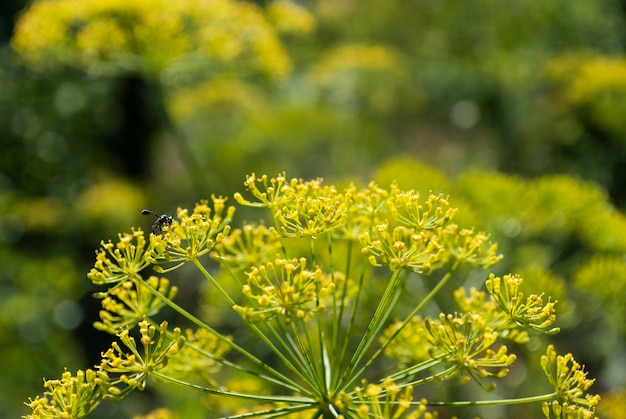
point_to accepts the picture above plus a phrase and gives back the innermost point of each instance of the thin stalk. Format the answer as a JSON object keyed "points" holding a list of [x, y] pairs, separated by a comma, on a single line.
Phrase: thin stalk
{"points": [[348, 334], [408, 318], [383, 310], [306, 352], [414, 369], [321, 371], [245, 396], [283, 380], [252, 326], [338, 314], [499, 402], [225, 362]]}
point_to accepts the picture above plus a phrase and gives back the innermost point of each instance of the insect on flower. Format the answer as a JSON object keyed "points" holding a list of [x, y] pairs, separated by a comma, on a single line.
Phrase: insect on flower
{"points": [[162, 220]]}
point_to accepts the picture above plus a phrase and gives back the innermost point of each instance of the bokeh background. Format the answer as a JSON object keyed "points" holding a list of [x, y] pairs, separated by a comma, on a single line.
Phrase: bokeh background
{"points": [[516, 109]]}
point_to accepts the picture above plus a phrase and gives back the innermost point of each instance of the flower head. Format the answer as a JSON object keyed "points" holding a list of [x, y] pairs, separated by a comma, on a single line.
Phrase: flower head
{"points": [[131, 302], [120, 261], [191, 235], [71, 396], [464, 342], [247, 246], [386, 400], [531, 313], [284, 288], [403, 248], [132, 368], [470, 248], [150, 37], [570, 382]]}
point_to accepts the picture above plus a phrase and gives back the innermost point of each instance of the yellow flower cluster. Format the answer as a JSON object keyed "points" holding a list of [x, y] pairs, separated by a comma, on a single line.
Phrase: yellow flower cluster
{"points": [[463, 341], [404, 248], [121, 261], [248, 246], [131, 302], [387, 400], [69, 397], [530, 313], [570, 382], [131, 369], [191, 236], [394, 227], [285, 288], [149, 36], [423, 239], [310, 312]]}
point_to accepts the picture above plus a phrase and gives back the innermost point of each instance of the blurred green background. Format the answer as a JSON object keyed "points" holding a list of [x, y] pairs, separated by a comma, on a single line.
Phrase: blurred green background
{"points": [[516, 109]]}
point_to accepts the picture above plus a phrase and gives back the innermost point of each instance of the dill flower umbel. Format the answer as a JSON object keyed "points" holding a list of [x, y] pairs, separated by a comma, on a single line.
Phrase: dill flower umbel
{"points": [[120, 261], [570, 382], [316, 304], [71, 396], [190, 236], [284, 288], [131, 369]]}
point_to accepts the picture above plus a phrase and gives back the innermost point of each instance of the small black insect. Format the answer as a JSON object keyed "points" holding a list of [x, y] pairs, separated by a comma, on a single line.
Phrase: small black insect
{"points": [[161, 221]]}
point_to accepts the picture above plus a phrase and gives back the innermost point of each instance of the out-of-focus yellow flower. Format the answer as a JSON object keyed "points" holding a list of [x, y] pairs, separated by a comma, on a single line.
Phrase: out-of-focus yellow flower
{"points": [[288, 17], [585, 76], [161, 413], [356, 76], [357, 57], [149, 36]]}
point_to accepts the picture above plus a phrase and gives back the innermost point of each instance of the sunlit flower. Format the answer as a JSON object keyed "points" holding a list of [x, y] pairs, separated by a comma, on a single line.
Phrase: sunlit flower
{"points": [[190, 236], [470, 248], [285, 288], [288, 17], [71, 396], [313, 212], [247, 246], [530, 313], [463, 341], [120, 261], [131, 302], [403, 248], [570, 382], [387, 400], [129, 368]]}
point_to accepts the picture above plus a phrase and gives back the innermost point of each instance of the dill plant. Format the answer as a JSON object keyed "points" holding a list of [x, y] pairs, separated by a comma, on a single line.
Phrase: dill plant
{"points": [[321, 287]]}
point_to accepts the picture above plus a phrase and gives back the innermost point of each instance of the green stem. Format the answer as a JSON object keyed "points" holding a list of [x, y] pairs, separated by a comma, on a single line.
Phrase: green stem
{"points": [[256, 397], [348, 333], [279, 378], [383, 311], [271, 345], [500, 402], [416, 310]]}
